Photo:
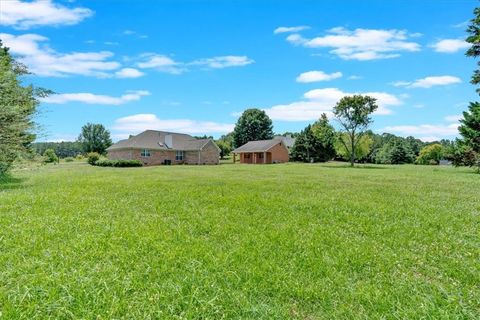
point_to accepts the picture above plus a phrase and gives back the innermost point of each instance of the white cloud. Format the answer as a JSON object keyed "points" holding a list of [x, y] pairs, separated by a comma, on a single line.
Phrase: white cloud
{"points": [[140, 122], [90, 98], [428, 82], [454, 118], [161, 63], [224, 62], [129, 73], [425, 132], [360, 44], [164, 63], [25, 15], [354, 77], [320, 101], [316, 76], [44, 61], [290, 29], [450, 45]]}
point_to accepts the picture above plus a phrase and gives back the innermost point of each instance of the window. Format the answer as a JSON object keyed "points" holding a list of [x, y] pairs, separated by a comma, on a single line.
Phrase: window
{"points": [[179, 155], [145, 153], [247, 156], [260, 155]]}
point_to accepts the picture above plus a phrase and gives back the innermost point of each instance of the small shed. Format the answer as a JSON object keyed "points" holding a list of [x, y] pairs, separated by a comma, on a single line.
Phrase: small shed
{"points": [[262, 152]]}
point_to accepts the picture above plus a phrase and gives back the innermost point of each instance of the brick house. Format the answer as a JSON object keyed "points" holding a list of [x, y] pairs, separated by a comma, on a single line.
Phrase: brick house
{"points": [[262, 152], [158, 147]]}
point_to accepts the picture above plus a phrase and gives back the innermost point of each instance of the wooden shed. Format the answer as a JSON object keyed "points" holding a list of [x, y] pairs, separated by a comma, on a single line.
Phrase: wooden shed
{"points": [[262, 152]]}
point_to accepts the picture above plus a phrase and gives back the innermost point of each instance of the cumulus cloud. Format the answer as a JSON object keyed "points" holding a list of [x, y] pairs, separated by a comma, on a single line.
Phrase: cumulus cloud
{"points": [[129, 73], [450, 45], [360, 44], [161, 63], [320, 101], [28, 14], [90, 98], [428, 82], [290, 29], [316, 76], [140, 122], [44, 61]]}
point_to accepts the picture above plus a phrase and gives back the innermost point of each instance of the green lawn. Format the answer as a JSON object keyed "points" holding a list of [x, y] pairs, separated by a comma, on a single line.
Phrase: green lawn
{"points": [[240, 241]]}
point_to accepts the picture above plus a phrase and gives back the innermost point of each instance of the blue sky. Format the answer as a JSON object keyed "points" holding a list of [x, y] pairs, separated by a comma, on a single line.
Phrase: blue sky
{"points": [[194, 66]]}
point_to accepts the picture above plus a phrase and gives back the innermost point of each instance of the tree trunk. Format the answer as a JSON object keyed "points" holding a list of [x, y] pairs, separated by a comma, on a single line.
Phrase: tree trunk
{"points": [[352, 155]]}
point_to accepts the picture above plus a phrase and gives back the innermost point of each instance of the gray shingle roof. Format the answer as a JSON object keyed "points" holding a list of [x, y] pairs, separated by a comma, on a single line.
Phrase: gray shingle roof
{"points": [[258, 146], [155, 140]]}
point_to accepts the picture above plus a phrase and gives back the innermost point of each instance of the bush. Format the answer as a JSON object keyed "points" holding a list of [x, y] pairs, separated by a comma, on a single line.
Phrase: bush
{"points": [[92, 158], [50, 156], [431, 154], [118, 163], [79, 157], [69, 159]]}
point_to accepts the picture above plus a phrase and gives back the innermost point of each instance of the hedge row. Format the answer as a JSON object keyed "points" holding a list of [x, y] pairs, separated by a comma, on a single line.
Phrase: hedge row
{"points": [[118, 163]]}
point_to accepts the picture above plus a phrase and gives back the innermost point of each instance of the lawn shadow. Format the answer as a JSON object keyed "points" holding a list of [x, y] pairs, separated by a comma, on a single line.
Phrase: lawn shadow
{"points": [[357, 166], [11, 183]]}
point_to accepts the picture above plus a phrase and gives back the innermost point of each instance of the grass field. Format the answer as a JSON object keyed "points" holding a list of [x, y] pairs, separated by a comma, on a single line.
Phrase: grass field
{"points": [[238, 241]]}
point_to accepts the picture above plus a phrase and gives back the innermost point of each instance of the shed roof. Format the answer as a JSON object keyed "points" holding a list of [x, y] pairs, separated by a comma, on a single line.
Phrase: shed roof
{"points": [[258, 146], [158, 140]]}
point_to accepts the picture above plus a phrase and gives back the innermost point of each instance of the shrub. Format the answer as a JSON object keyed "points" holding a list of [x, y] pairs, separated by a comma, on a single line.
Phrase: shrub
{"points": [[431, 154], [69, 159], [50, 156], [92, 158], [118, 163], [79, 157]]}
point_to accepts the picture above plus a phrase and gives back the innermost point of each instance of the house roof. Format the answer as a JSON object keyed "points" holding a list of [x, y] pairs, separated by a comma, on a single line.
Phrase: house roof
{"points": [[288, 140], [258, 146], [160, 140]]}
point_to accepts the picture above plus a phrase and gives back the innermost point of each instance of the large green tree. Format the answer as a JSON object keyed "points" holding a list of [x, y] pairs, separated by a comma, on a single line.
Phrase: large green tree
{"points": [[95, 138], [474, 38], [470, 126], [253, 124], [353, 114], [18, 105]]}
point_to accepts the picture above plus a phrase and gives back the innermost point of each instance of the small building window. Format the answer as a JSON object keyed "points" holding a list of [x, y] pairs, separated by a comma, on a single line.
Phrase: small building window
{"points": [[145, 153], [260, 155], [247, 156], [179, 155]]}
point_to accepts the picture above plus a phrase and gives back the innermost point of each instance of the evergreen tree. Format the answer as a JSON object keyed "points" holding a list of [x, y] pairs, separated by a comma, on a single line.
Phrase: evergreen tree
{"points": [[18, 105]]}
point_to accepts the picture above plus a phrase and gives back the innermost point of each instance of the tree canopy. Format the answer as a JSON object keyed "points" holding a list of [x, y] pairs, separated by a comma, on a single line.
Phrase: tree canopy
{"points": [[18, 105], [253, 124], [95, 138], [353, 114]]}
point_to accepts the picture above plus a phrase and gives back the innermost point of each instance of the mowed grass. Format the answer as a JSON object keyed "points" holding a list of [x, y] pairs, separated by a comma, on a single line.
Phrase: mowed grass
{"points": [[301, 241]]}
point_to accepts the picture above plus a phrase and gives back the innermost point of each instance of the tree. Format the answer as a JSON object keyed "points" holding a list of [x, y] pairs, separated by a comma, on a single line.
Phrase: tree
{"points": [[474, 38], [363, 145], [95, 138], [253, 124], [470, 126], [353, 114], [50, 156], [303, 148], [324, 134], [396, 151], [225, 148], [18, 105], [431, 154]]}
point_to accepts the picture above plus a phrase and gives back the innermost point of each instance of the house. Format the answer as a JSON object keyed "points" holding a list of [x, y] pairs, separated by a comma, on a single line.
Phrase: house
{"points": [[262, 151], [158, 147], [287, 139]]}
